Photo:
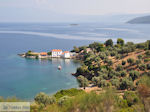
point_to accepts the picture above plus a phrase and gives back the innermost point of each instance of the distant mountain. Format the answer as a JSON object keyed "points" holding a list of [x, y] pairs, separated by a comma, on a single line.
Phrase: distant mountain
{"points": [[140, 20]]}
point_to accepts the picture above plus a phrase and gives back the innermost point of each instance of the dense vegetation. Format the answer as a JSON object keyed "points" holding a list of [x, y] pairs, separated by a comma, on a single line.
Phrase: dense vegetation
{"points": [[120, 65], [121, 70]]}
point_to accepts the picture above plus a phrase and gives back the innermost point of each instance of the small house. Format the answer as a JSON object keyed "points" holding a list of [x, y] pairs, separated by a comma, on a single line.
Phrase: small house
{"points": [[56, 52], [66, 54], [43, 53]]}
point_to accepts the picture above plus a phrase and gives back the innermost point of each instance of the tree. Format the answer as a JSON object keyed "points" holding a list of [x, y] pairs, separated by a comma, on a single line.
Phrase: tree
{"points": [[142, 67], [115, 82], [148, 44], [96, 80], [120, 41], [130, 60], [138, 62], [126, 84], [119, 68], [148, 66], [97, 46], [123, 62], [147, 53], [76, 49], [113, 53], [110, 62], [49, 53], [103, 83], [134, 74], [109, 42], [83, 82], [123, 73]]}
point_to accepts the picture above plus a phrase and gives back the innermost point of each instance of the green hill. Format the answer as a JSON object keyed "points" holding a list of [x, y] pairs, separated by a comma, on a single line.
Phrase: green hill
{"points": [[140, 20]]}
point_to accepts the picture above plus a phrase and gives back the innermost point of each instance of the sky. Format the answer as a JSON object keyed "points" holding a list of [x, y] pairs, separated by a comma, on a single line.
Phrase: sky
{"points": [[64, 10]]}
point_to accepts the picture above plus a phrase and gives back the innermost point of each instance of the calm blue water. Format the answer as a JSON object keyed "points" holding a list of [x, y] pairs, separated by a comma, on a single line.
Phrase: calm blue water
{"points": [[25, 78]]}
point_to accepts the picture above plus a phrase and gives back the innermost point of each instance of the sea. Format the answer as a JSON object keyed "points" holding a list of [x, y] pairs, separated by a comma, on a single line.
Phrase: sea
{"points": [[24, 78]]}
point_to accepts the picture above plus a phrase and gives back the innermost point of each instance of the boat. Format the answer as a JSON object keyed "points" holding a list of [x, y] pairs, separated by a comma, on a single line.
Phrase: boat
{"points": [[59, 67]]}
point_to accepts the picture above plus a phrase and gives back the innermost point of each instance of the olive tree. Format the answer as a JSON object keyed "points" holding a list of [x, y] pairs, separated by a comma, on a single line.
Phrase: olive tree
{"points": [[130, 61], [96, 80], [83, 82], [148, 44], [134, 74], [123, 62], [142, 67], [120, 41], [123, 73], [119, 68], [115, 82], [125, 83], [109, 42]]}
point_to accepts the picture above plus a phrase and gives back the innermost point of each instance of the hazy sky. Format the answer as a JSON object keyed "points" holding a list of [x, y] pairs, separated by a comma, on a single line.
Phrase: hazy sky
{"points": [[51, 10]]}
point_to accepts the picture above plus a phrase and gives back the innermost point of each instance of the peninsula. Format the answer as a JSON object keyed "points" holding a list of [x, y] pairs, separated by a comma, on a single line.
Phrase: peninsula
{"points": [[112, 77], [55, 53]]}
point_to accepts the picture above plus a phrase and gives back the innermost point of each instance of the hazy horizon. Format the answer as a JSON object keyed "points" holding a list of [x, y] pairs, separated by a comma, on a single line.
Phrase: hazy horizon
{"points": [[71, 10]]}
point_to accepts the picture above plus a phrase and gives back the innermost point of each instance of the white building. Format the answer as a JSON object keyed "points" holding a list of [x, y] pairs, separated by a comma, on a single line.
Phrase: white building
{"points": [[66, 54], [56, 52]]}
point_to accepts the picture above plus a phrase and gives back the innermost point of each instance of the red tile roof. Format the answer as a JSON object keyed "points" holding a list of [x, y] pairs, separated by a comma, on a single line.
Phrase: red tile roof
{"points": [[56, 50], [43, 53], [66, 51]]}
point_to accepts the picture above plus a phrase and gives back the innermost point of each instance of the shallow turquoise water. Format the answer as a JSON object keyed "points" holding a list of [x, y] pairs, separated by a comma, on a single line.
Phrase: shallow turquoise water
{"points": [[25, 78]]}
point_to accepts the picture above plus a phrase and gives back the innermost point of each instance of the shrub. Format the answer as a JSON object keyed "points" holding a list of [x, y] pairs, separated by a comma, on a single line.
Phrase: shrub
{"points": [[10, 99], [122, 103], [68, 92], [142, 67], [42, 98], [62, 100], [131, 98]]}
